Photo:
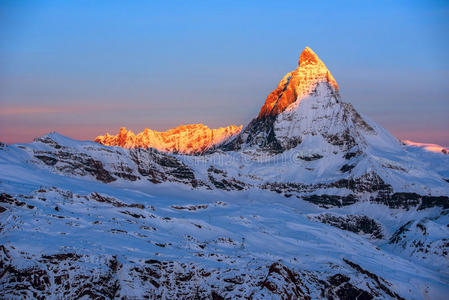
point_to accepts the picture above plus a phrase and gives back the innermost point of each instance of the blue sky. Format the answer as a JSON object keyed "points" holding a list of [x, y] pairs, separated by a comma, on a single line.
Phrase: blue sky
{"points": [[86, 67]]}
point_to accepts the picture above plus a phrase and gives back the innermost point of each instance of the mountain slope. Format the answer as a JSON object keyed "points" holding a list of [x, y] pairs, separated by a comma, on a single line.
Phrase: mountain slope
{"points": [[143, 240]]}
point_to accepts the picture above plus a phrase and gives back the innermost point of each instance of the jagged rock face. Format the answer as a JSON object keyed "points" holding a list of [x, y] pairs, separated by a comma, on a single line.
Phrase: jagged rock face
{"points": [[298, 84], [354, 223], [108, 164], [68, 276], [185, 139], [257, 134]]}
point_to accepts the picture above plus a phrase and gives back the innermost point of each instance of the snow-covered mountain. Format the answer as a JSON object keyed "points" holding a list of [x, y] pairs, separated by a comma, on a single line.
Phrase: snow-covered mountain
{"points": [[184, 139], [310, 200]]}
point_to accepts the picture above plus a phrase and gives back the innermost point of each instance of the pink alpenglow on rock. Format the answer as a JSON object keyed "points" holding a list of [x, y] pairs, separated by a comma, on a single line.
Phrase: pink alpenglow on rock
{"points": [[185, 139], [298, 84]]}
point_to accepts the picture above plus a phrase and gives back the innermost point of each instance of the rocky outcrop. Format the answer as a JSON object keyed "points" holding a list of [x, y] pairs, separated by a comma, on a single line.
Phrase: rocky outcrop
{"points": [[425, 239], [408, 200], [354, 223], [158, 167], [74, 276], [259, 133], [221, 180], [185, 139], [76, 164], [367, 183], [108, 164]]}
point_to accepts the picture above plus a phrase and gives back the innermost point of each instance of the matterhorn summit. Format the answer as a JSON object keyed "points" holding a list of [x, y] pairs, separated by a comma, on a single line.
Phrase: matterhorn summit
{"points": [[298, 84], [306, 109]]}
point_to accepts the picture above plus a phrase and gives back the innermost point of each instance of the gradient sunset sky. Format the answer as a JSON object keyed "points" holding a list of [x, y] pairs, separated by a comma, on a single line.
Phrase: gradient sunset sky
{"points": [[84, 68]]}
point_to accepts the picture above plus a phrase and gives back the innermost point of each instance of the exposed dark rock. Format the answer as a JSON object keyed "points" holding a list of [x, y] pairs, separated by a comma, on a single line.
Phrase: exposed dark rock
{"points": [[330, 200], [356, 118], [413, 238], [381, 283], [49, 161], [115, 202], [125, 172], [220, 180], [182, 172], [282, 281], [66, 275], [353, 223], [314, 156], [61, 256], [134, 215], [259, 132], [408, 200], [432, 201], [343, 140], [8, 199], [216, 171], [190, 207], [338, 279], [348, 291], [227, 184], [216, 296], [369, 182], [159, 167], [96, 168], [399, 200], [156, 166], [353, 154], [72, 162], [98, 197], [49, 141], [346, 168]]}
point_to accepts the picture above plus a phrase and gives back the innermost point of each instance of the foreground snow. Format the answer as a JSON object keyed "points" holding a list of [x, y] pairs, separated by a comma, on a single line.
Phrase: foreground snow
{"points": [[140, 239]]}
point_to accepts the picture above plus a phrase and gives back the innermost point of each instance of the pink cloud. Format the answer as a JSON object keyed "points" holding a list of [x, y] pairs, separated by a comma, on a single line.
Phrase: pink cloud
{"points": [[11, 111]]}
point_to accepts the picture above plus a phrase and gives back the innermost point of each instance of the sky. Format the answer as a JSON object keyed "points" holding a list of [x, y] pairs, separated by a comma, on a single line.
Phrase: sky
{"points": [[84, 68]]}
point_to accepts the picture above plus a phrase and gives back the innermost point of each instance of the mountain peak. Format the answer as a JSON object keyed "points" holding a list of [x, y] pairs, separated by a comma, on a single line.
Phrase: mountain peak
{"points": [[308, 57], [186, 139], [298, 84]]}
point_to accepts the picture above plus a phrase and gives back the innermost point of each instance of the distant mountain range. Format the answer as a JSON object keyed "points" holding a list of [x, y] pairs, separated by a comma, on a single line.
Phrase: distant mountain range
{"points": [[185, 139], [310, 200]]}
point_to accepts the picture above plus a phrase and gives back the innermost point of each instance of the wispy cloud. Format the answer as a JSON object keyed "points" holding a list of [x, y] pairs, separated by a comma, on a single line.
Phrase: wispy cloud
{"points": [[11, 111]]}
